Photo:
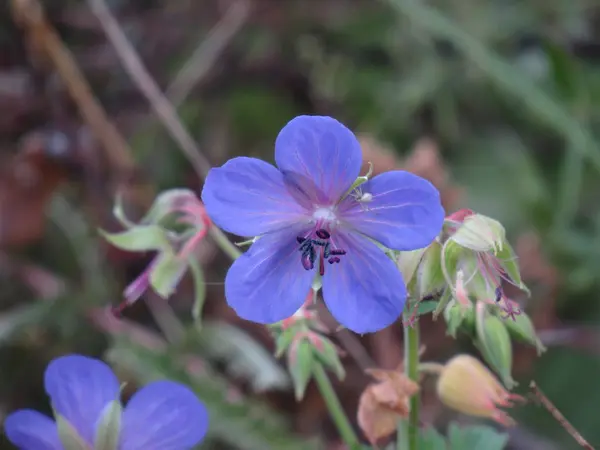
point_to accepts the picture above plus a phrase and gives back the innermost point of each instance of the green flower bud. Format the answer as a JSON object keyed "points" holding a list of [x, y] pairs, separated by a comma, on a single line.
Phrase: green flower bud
{"points": [[328, 354], [430, 276], [300, 364], [109, 427], [493, 341], [454, 314], [521, 328]]}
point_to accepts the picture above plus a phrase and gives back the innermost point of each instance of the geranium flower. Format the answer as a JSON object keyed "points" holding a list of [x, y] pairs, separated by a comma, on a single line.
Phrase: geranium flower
{"points": [[312, 224], [163, 415]]}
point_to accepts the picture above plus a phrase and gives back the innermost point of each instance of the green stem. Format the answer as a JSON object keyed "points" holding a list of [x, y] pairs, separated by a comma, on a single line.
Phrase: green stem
{"points": [[335, 408], [408, 431]]}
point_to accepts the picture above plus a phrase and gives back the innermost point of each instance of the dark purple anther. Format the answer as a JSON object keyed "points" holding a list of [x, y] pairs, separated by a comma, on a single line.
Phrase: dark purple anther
{"points": [[333, 259], [338, 251], [300, 239], [498, 293], [306, 262], [322, 234]]}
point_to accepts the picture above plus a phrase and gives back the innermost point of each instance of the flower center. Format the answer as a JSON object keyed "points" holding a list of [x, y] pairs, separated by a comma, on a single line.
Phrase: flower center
{"points": [[324, 215], [318, 243]]}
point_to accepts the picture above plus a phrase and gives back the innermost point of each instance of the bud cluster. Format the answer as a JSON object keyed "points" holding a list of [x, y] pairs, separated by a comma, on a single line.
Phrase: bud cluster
{"points": [[302, 338]]}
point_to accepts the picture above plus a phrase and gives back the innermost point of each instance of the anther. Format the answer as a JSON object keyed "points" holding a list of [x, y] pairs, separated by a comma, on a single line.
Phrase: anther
{"points": [[338, 251], [323, 234], [306, 262], [498, 293], [333, 259], [300, 239]]}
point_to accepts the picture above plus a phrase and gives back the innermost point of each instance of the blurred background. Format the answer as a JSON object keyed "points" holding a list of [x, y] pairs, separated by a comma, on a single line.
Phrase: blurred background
{"points": [[497, 102]]}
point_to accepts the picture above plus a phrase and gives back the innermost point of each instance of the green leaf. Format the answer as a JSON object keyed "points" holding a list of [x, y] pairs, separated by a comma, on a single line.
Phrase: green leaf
{"points": [[475, 437], [109, 428], [138, 239], [167, 273]]}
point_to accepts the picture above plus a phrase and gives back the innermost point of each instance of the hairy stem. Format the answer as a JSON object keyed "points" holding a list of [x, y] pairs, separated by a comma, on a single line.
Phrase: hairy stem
{"points": [[224, 243], [335, 408], [408, 430]]}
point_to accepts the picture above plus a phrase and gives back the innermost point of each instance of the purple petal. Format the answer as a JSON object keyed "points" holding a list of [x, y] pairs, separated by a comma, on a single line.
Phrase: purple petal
{"points": [[248, 197], [79, 388], [364, 291], [163, 415], [30, 430], [268, 283], [321, 155], [405, 212]]}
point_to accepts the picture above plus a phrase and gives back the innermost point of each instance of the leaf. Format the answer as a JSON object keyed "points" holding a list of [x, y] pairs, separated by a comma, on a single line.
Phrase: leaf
{"points": [[243, 356], [138, 239], [476, 436]]}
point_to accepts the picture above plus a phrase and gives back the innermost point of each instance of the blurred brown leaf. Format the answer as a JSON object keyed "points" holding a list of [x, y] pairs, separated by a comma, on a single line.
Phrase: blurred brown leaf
{"points": [[27, 183]]}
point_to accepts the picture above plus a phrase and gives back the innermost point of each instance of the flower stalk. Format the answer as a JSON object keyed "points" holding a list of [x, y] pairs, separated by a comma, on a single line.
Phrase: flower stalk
{"points": [[335, 408], [408, 430]]}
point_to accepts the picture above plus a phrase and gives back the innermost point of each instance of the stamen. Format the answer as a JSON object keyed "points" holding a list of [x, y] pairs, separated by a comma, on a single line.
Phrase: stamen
{"points": [[310, 246], [323, 234]]}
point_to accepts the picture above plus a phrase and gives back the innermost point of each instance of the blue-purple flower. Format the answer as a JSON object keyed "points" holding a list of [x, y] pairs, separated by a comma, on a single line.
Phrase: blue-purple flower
{"points": [[163, 415], [313, 222]]}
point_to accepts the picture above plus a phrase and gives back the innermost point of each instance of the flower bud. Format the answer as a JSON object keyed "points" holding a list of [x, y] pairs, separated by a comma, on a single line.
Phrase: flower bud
{"points": [[300, 360], [329, 354], [457, 316], [494, 344], [429, 276], [467, 386], [522, 329]]}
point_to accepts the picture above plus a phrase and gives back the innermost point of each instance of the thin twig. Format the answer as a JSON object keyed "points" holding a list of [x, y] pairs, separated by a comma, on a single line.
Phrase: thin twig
{"points": [[30, 15], [159, 103], [207, 53], [559, 417]]}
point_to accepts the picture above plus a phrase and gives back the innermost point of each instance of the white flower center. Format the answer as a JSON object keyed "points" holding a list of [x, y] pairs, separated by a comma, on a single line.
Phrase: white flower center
{"points": [[324, 215]]}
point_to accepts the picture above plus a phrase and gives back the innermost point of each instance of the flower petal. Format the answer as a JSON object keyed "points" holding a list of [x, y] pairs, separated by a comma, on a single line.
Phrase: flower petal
{"points": [[248, 197], [268, 283], [31, 430], [320, 152], [364, 291], [163, 415], [405, 212], [79, 388]]}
